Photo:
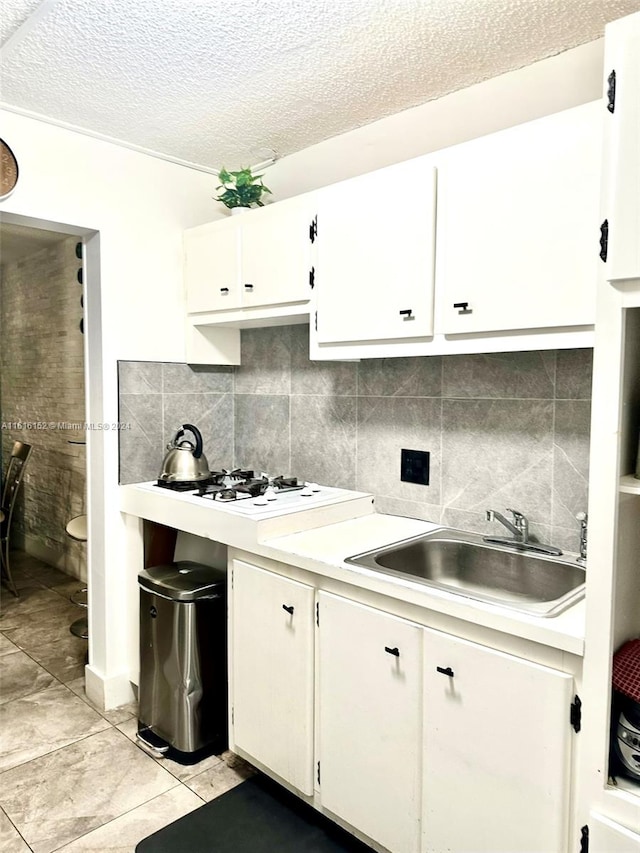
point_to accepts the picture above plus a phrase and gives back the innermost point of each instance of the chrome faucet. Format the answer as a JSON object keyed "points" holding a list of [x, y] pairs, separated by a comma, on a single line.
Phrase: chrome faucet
{"points": [[519, 527], [520, 530], [583, 518]]}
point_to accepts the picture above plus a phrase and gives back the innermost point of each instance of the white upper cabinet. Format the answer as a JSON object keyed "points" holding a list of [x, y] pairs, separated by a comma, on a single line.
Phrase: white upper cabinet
{"points": [[259, 258], [212, 266], [621, 204], [374, 266], [517, 231], [275, 254]]}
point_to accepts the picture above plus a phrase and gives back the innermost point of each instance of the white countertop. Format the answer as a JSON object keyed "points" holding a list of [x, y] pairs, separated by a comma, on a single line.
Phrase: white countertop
{"points": [[320, 538], [324, 549]]}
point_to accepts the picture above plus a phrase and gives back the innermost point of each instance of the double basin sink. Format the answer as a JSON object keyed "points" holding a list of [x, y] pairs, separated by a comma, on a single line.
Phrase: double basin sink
{"points": [[463, 563]]}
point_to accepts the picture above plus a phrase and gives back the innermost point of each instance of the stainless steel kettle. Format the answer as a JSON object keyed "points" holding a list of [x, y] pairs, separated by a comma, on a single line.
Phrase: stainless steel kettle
{"points": [[185, 460]]}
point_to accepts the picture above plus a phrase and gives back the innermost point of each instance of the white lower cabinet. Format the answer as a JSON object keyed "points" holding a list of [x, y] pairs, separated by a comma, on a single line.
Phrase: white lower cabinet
{"points": [[497, 751], [416, 739], [272, 672], [605, 836], [370, 721]]}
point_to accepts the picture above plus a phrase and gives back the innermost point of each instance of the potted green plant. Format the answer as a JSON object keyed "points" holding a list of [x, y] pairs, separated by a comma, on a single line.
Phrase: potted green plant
{"points": [[240, 189]]}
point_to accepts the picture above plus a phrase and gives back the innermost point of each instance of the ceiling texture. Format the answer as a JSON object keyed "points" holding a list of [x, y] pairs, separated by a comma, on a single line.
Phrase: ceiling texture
{"points": [[226, 82]]}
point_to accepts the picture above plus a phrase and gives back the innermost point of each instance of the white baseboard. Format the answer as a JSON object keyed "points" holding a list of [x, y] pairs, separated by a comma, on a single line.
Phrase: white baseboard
{"points": [[108, 693]]}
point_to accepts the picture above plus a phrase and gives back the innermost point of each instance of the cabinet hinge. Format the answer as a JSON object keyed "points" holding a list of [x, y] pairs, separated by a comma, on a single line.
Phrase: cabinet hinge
{"points": [[575, 716], [611, 92], [584, 839], [313, 229], [604, 240], [233, 714], [316, 320], [312, 277], [318, 772], [318, 613]]}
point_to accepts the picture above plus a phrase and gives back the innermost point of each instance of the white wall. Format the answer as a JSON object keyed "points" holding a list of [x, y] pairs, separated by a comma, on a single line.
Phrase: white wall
{"points": [[549, 86], [140, 205]]}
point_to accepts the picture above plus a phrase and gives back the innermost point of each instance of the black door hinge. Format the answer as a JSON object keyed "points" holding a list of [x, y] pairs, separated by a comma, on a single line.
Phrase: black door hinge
{"points": [[318, 772], [316, 320], [312, 277], [575, 716], [611, 92], [318, 613], [584, 839], [604, 240], [313, 229]]}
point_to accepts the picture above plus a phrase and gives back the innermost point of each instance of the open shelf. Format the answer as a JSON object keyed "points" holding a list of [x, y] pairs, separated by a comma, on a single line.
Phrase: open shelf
{"points": [[629, 485], [626, 786]]}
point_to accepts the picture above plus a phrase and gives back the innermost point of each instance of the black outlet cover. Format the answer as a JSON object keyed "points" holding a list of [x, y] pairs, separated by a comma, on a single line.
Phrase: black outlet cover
{"points": [[414, 466]]}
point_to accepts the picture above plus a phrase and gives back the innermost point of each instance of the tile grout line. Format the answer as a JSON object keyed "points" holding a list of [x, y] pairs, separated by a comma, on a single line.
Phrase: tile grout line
{"points": [[173, 781]]}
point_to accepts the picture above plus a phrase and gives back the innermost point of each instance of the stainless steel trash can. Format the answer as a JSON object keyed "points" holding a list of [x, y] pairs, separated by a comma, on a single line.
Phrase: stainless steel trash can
{"points": [[183, 657]]}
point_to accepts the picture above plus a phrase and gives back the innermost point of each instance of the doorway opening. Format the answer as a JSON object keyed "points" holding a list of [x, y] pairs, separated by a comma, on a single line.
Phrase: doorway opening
{"points": [[42, 389], [43, 404]]}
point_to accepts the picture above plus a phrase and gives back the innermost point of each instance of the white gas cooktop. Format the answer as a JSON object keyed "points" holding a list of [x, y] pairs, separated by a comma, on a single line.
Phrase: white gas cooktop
{"points": [[262, 506]]}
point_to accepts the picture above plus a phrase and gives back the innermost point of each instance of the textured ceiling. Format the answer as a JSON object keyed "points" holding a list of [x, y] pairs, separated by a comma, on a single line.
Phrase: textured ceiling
{"points": [[221, 82]]}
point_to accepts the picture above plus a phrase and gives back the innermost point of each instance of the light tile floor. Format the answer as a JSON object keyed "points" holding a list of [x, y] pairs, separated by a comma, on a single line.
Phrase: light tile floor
{"points": [[71, 776]]}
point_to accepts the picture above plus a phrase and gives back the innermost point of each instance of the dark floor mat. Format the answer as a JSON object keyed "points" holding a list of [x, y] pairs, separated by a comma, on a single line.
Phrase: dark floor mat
{"points": [[256, 816]]}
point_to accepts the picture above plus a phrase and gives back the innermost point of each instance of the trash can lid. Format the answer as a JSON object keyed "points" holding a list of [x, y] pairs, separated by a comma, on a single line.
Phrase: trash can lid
{"points": [[183, 580]]}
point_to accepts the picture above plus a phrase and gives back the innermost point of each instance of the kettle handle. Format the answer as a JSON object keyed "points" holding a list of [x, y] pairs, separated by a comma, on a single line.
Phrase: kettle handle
{"points": [[198, 436]]}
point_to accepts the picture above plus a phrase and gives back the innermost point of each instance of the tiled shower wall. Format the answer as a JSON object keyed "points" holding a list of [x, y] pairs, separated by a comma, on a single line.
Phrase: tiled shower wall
{"points": [[503, 430], [42, 383]]}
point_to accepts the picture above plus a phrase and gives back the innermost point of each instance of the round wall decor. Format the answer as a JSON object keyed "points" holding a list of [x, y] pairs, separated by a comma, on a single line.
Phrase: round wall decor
{"points": [[8, 170]]}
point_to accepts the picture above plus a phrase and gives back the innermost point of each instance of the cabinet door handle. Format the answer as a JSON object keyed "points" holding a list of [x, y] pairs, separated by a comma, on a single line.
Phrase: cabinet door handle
{"points": [[248, 287], [289, 608], [407, 312], [445, 670], [224, 290], [395, 651], [463, 307]]}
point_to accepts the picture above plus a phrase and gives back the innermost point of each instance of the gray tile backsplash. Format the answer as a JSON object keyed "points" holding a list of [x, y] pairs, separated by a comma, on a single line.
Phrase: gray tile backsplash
{"points": [[385, 426], [323, 439], [522, 375], [503, 430], [262, 433]]}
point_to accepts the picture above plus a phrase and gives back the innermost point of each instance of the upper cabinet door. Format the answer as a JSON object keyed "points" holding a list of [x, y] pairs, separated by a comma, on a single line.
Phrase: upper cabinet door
{"points": [[518, 217], [212, 266], [276, 254], [621, 111], [375, 255]]}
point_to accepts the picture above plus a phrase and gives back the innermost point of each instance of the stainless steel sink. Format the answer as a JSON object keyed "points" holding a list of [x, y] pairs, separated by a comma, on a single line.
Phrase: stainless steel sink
{"points": [[464, 564]]}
